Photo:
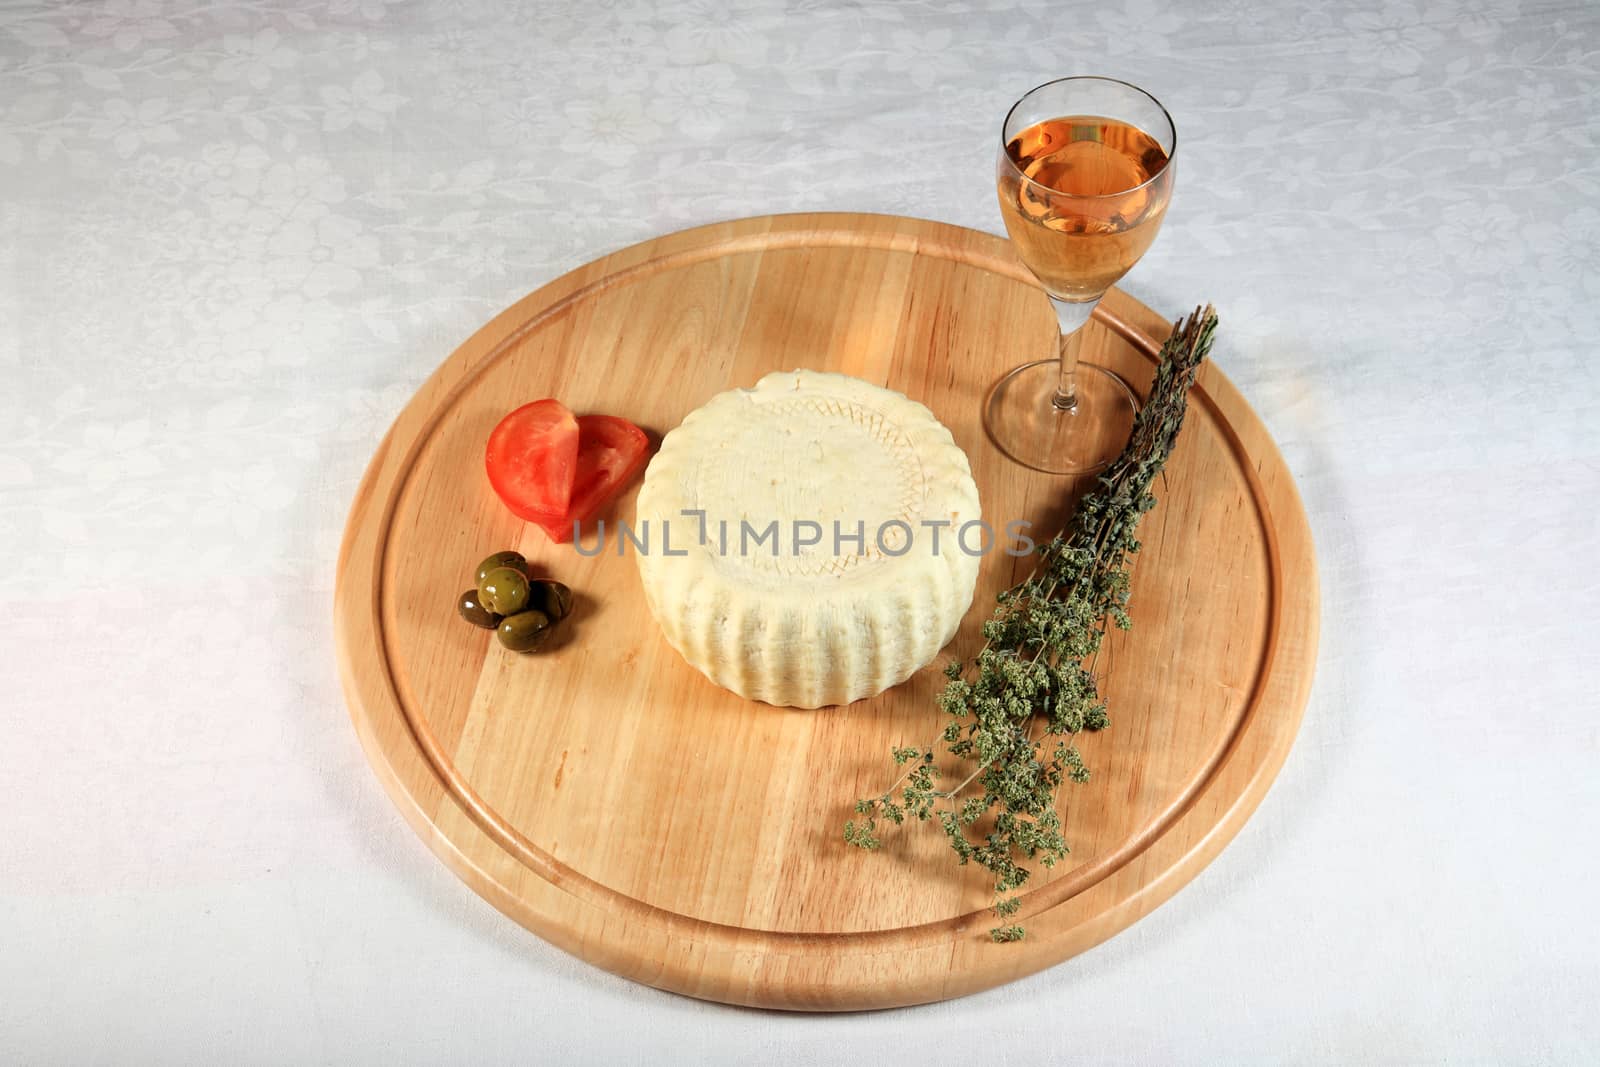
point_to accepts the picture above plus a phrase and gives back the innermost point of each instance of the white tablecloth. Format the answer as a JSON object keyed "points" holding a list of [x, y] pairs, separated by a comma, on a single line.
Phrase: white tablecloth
{"points": [[235, 236]]}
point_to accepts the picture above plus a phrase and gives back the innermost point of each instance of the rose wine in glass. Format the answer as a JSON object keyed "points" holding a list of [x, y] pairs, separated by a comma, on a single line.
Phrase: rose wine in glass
{"points": [[1084, 176]]}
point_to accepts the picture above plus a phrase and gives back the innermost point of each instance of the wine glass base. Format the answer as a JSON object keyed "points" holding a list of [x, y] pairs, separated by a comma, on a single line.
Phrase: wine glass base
{"points": [[1021, 418]]}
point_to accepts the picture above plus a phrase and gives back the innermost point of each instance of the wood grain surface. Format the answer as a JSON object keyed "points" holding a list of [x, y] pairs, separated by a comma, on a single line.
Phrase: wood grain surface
{"points": [[609, 798]]}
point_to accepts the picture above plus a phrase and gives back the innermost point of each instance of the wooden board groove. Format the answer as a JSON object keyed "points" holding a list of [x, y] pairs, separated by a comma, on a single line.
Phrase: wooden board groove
{"points": [[463, 735]]}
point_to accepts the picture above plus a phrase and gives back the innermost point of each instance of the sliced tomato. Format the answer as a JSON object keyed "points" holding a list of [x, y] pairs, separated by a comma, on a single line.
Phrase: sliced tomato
{"points": [[610, 452], [532, 460]]}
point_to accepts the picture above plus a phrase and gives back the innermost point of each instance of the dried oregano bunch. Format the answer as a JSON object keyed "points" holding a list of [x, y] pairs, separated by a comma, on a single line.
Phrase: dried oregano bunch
{"points": [[1015, 710]]}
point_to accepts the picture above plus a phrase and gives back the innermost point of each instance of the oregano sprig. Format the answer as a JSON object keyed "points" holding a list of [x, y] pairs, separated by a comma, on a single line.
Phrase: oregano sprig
{"points": [[1016, 709]]}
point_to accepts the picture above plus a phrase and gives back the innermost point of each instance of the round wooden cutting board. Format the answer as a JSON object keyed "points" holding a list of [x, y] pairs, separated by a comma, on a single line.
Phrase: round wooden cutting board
{"points": [[609, 798]]}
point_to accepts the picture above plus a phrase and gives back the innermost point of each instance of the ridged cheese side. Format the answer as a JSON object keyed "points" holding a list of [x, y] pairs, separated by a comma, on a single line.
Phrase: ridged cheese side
{"points": [[817, 628]]}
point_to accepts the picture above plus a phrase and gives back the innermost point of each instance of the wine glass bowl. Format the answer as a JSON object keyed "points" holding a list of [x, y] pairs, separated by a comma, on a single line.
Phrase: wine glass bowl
{"points": [[1084, 176]]}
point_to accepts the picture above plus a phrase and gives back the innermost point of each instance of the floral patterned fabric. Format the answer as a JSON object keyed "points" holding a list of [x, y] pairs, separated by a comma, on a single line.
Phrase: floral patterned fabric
{"points": [[235, 235]]}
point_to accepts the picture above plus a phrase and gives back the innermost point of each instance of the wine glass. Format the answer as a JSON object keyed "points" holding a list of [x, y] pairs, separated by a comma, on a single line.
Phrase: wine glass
{"points": [[1085, 175]]}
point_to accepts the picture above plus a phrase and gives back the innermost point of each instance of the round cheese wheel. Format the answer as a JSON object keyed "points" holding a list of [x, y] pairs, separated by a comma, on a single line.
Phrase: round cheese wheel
{"points": [[812, 540]]}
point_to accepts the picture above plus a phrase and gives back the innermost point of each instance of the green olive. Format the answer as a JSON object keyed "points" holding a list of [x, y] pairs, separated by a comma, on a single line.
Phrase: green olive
{"points": [[504, 590], [525, 631], [552, 598], [514, 560], [471, 608]]}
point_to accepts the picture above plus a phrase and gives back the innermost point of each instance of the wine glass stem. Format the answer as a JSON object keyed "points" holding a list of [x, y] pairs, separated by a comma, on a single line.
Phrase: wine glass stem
{"points": [[1071, 316]]}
